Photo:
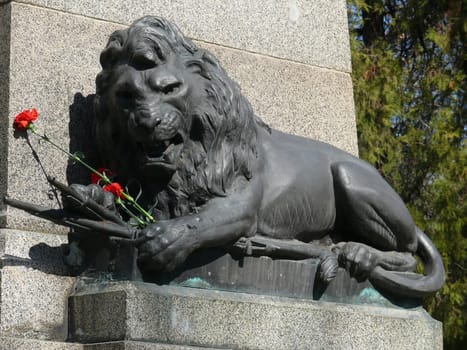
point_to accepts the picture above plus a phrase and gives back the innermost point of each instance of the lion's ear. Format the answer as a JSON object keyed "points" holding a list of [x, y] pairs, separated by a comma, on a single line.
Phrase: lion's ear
{"points": [[205, 63], [197, 65], [113, 49]]}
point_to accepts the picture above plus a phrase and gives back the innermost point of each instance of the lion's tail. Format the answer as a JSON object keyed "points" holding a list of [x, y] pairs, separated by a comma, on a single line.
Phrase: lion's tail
{"points": [[412, 284]]}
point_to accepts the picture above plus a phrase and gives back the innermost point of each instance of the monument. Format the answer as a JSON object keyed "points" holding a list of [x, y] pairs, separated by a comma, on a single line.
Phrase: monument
{"points": [[216, 199]]}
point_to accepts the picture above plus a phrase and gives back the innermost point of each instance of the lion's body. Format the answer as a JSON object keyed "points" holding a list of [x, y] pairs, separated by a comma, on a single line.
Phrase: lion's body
{"points": [[298, 194], [292, 203], [168, 115]]}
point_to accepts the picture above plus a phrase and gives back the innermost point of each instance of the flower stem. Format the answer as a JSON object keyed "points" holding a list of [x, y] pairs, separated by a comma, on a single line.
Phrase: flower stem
{"points": [[130, 199], [129, 212], [70, 155], [104, 177]]}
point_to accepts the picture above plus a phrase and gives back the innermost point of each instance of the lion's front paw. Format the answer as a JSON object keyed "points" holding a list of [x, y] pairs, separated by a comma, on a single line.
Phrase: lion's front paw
{"points": [[165, 245], [357, 259]]}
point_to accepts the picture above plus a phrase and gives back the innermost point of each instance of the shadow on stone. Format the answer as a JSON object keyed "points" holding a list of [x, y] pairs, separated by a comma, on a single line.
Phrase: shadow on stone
{"points": [[42, 257], [81, 138]]}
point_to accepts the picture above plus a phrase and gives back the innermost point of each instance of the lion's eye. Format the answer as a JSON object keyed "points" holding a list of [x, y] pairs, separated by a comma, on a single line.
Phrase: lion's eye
{"points": [[194, 67], [142, 63], [171, 88]]}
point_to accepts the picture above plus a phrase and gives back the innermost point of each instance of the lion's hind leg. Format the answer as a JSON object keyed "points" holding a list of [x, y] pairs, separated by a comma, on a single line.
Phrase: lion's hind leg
{"points": [[373, 220]]}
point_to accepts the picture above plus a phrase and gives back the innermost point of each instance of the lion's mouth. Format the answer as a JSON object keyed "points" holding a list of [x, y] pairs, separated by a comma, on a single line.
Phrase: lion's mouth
{"points": [[161, 152]]}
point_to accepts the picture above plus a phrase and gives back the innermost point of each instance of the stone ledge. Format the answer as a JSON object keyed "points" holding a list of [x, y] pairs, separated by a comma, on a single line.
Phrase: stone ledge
{"points": [[136, 345], [186, 316]]}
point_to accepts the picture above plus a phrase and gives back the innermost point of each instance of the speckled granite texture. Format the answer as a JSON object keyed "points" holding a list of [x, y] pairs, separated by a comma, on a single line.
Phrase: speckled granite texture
{"points": [[34, 286], [10, 343], [186, 316], [311, 32]]}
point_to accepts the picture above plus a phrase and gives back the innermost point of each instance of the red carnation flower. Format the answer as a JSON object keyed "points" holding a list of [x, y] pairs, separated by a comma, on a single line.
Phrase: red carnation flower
{"points": [[96, 178], [114, 188], [23, 119]]}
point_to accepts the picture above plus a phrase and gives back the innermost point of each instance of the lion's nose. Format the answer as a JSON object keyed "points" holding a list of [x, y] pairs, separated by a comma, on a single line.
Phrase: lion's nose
{"points": [[147, 121]]}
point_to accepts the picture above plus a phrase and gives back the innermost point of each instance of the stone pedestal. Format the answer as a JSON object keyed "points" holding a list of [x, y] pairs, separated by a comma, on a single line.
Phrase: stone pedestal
{"points": [[128, 313], [43, 308]]}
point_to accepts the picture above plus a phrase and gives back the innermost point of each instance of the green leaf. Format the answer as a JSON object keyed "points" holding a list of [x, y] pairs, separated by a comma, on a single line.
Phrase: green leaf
{"points": [[75, 156]]}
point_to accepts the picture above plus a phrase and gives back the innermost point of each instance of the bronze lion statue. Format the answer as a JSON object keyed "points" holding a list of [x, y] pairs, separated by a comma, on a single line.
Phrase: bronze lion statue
{"points": [[214, 174]]}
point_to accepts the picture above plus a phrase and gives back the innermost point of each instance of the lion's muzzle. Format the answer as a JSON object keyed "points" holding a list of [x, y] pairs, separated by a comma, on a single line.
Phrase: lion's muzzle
{"points": [[149, 125], [159, 133]]}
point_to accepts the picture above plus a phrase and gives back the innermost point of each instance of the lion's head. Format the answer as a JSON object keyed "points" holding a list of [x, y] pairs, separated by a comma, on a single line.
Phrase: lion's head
{"points": [[168, 115]]}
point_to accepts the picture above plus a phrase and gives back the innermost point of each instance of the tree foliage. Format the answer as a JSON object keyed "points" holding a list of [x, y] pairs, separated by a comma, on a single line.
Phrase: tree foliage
{"points": [[409, 74]]}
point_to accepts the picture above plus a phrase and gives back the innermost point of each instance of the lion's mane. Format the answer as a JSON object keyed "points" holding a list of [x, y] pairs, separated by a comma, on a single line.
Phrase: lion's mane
{"points": [[223, 138]]}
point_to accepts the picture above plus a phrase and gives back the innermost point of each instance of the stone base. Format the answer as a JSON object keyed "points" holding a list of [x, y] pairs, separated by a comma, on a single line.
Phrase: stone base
{"points": [[34, 344], [135, 315], [134, 311], [8, 343]]}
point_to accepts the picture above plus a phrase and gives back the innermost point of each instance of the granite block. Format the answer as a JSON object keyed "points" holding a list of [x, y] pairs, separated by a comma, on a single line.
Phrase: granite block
{"points": [[34, 304], [311, 32], [94, 314], [207, 318], [7, 343], [57, 77]]}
